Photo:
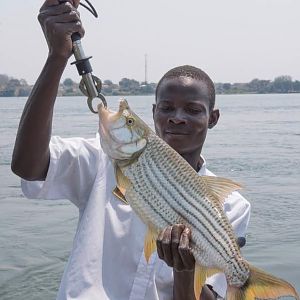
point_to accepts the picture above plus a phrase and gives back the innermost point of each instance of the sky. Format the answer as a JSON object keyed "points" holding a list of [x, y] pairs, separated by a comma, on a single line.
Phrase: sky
{"points": [[232, 40]]}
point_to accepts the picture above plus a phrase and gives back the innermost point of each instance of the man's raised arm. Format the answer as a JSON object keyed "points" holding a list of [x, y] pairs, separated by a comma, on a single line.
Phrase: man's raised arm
{"points": [[31, 153]]}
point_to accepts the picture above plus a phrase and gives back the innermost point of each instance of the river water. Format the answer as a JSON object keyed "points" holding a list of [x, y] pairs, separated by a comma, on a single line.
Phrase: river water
{"points": [[256, 142]]}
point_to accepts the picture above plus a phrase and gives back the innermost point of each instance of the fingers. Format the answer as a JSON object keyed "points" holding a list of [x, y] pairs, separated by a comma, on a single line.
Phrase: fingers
{"points": [[51, 18], [69, 29], [78, 28], [173, 247], [72, 17], [184, 249], [164, 246], [49, 3], [176, 237], [58, 10], [75, 3], [59, 19]]}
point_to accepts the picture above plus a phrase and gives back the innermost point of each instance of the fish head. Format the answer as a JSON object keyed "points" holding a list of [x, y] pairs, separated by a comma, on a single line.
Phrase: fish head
{"points": [[123, 135]]}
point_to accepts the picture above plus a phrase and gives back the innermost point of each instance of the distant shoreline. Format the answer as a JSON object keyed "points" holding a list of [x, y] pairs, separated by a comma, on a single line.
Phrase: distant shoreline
{"points": [[153, 94], [11, 87]]}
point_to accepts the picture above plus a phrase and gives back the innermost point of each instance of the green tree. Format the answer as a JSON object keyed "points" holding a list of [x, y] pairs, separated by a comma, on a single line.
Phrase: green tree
{"points": [[3, 79], [283, 84], [226, 86], [147, 89], [129, 85], [108, 82], [259, 86], [68, 82], [296, 86]]}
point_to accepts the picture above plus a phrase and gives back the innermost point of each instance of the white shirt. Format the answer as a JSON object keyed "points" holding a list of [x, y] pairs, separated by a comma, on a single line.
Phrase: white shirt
{"points": [[107, 259]]}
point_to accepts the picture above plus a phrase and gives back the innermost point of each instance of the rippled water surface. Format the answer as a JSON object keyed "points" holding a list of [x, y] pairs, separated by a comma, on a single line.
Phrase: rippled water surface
{"points": [[257, 143]]}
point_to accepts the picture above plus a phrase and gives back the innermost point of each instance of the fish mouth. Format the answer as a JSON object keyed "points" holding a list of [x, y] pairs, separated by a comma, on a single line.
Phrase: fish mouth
{"points": [[103, 112], [106, 114]]}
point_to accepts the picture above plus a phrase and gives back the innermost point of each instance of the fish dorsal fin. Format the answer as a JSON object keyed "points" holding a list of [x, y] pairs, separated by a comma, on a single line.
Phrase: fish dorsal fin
{"points": [[123, 184], [218, 188], [150, 243], [200, 276]]}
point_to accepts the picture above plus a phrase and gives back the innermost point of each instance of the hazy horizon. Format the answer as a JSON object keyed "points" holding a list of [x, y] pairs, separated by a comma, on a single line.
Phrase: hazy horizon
{"points": [[232, 41]]}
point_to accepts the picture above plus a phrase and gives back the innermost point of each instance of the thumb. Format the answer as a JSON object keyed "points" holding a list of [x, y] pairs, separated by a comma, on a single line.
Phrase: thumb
{"points": [[75, 3]]}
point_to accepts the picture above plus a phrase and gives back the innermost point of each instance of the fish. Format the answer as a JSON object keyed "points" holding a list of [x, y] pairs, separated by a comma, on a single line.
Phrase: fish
{"points": [[163, 190]]}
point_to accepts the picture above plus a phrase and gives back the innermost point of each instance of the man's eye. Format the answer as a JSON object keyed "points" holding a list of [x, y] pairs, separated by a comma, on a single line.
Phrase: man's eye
{"points": [[193, 110]]}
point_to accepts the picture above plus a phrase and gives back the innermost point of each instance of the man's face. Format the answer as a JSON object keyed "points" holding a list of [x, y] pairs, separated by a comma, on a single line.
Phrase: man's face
{"points": [[181, 113]]}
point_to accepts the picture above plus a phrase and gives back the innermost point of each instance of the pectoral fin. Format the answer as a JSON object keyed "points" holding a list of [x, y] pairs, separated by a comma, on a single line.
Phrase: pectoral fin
{"points": [[150, 243], [123, 184], [120, 195]]}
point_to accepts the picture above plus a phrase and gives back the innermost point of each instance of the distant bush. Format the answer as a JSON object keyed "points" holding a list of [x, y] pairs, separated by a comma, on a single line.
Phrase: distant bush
{"points": [[11, 87]]}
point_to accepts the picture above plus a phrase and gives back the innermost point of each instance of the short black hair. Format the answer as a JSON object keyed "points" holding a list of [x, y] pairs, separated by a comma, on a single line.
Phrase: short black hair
{"points": [[192, 72]]}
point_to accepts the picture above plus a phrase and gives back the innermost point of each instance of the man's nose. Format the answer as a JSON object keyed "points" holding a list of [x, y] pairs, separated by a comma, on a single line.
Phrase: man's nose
{"points": [[177, 118]]}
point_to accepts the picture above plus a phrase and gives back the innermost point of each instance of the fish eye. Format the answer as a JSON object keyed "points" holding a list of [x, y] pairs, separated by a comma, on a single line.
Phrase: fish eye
{"points": [[130, 121]]}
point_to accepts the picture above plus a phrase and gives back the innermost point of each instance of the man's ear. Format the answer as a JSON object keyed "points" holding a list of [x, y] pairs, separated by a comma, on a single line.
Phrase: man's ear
{"points": [[213, 118], [153, 110]]}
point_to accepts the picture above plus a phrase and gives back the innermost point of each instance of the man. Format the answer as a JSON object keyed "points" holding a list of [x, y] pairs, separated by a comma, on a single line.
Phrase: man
{"points": [[107, 260]]}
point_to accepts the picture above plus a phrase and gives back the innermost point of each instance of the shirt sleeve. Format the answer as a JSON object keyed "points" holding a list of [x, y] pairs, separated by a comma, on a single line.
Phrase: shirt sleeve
{"points": [[237, 209], [74, 163]]}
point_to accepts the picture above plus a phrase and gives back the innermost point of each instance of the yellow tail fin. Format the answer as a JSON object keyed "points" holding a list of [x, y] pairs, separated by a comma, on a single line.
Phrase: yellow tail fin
{"points": [[261, 285]]}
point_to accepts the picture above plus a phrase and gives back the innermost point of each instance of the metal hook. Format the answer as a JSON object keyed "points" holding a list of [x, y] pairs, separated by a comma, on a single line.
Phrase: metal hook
{"points": [[90, 85], [90, 8]]}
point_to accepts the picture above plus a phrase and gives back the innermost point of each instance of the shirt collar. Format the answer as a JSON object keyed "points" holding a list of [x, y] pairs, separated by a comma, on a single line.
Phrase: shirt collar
{"points": [[202, 170]]}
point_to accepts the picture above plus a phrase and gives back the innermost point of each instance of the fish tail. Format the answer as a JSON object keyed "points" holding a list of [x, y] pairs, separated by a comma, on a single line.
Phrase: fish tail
{"points": [[263, 286]]}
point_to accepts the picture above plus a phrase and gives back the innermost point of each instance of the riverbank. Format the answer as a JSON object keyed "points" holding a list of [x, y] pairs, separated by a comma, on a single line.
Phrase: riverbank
{"points": [[11, 87]]}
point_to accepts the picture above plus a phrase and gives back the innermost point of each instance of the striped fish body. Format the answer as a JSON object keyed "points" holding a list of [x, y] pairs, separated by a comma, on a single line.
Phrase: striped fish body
{"points": [[165, 190]]}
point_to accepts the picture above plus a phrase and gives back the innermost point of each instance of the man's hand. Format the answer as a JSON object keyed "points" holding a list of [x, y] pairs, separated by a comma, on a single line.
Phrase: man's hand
{"points": [[59, 20], [174, 248]]}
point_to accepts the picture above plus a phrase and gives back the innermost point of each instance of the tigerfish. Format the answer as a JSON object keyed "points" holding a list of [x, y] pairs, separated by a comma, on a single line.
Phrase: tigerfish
{"points": [[163, 189]]}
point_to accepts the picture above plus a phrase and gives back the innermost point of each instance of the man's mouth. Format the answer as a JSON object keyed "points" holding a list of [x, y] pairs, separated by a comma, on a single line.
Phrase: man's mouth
{"points": [[175, 132]]}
